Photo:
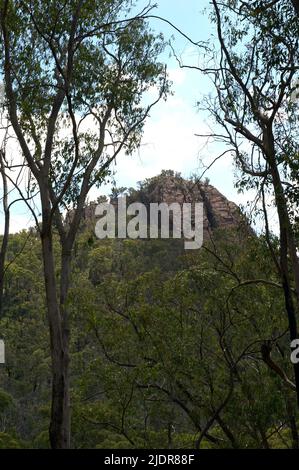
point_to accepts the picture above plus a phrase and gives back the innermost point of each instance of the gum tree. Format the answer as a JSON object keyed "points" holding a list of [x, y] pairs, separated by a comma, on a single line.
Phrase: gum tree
{"points": [[255, 109], [263, 7], [75, 73], [4, 199], [6, 212]]}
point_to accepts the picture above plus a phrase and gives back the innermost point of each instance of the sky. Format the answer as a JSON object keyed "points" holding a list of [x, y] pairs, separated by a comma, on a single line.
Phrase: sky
{"points": [[170, 140]]}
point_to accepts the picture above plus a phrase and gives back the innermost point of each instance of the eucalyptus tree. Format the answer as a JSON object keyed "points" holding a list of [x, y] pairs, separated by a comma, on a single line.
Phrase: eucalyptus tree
{"points": [[254, 69], [6, 214], [75, 75], [263, 6], [4, 198]]}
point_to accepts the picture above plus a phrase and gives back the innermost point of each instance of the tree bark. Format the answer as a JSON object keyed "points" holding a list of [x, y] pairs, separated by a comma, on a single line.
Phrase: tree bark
{"points": [[296, 6], [287, 245], [66, 258], [292, 421], [6, 230], [59, 340], [227, 432]]}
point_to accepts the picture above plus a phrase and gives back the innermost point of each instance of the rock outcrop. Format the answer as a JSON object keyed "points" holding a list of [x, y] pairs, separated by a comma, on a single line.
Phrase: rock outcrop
{"points": [[170, 187]]}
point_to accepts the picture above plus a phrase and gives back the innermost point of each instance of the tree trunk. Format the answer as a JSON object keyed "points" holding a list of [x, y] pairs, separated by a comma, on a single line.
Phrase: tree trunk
{"points": [[291, 413], [60, 426], [60, 414], [296, 6], [227, 432], [287, 246], [64, 287], [6, 230]]}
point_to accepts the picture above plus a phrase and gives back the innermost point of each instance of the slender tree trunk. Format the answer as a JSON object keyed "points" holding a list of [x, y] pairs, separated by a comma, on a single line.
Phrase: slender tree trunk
{"points": [[296, 6], [287, 246], [291, 412], [66, 258], [227, 432], [60, 414], [265, 442], [6, 230], [60, 426]]}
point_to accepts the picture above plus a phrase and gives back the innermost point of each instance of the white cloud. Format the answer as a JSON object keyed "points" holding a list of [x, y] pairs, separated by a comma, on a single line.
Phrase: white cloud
{"points": [[177, 75], [169, 142]]}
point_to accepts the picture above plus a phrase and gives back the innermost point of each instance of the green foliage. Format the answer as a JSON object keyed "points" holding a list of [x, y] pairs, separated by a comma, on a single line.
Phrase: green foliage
{"points": [[5, 401], [8, 442], [159, 337], [155, 332]]}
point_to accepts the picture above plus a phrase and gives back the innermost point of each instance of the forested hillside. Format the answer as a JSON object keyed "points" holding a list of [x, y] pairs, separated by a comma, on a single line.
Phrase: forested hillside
{"points": [[167, 346]]}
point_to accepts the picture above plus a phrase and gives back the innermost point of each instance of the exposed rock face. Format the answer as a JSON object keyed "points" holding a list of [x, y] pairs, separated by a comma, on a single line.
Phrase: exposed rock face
{"points": [[170, 187]]}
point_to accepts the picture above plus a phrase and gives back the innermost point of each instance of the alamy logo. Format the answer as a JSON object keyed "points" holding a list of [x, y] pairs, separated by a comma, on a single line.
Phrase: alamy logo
{"points": [[295, 351], [2, 352], [134, 221]]}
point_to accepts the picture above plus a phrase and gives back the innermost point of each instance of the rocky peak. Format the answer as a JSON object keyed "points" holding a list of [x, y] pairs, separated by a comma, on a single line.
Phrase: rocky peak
{"points": [[170, 187]]}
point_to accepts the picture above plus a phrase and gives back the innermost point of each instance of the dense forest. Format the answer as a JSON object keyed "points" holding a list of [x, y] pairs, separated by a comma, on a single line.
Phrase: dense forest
{"points": [[166, 347], [137, 342]]}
